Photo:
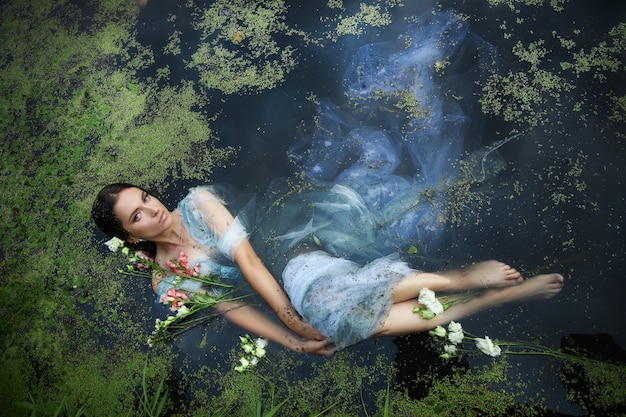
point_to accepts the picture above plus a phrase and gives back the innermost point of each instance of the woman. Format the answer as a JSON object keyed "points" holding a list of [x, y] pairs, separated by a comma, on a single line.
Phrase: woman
{"points": [[208, 233], [379, 172]]}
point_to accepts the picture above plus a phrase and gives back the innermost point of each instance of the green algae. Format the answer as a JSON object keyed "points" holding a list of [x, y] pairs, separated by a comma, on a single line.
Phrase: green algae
{"points": [[514, 5], [353, 22], [476, 393], [606, 382], [368, 15], [240, 50], [63, 101], [543, 92]]}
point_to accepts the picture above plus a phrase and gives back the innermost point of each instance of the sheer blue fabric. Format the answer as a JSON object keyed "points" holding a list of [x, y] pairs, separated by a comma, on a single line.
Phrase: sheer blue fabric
{"points": [[345, 301], [379, 170], [408, 117]]}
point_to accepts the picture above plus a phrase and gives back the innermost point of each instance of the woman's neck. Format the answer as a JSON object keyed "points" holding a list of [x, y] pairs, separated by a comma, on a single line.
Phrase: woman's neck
{"points": [[173, 238]]}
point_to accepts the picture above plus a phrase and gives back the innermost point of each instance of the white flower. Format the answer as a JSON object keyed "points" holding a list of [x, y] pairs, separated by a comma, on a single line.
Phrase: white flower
{"points": [[261, 343], [254, 361], [248, 348], [450, 349], [244, 362], [487, 347], [114, 244], [455, 337], [438, 331], [428, 299], [182, 311], [455, 327], [455, 332], [260, 353]]}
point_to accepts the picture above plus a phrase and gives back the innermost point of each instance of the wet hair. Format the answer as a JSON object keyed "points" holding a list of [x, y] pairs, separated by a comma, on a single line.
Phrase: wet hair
{"points": [[104, 217]]}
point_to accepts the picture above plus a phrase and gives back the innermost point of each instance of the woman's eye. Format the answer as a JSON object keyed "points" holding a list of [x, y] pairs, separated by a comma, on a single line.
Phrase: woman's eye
{"points": [[137, 217], [146, 198]]}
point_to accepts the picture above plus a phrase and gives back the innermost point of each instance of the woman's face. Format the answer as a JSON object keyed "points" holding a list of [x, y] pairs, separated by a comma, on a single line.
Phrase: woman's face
{"points": [[142, 215]]}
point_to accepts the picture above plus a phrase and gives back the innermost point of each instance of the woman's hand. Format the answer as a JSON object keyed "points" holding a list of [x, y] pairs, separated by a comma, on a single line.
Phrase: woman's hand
{"points": [[264, 283], [297, 324], [253, 320], [315, 347]]}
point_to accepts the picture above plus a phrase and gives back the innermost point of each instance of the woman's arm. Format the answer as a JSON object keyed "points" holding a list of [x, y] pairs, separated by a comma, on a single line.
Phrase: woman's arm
{"points": [[217, 217], [251, 319], [264, 283]]}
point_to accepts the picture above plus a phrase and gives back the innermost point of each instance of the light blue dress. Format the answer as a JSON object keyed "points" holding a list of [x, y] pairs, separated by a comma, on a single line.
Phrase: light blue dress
{"points": [[218, 245]]}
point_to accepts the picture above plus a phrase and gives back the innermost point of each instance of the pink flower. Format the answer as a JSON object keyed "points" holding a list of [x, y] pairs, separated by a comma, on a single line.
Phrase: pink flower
{"points": [[175, 298], [166, 299], [193, 272], [176, 305], [143, 255], [180, 295]]}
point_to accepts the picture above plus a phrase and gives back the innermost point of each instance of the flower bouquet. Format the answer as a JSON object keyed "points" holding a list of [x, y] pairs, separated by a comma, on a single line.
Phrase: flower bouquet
{"points": [[433, 306], [184, 304], [253, 351], [454, 335]]}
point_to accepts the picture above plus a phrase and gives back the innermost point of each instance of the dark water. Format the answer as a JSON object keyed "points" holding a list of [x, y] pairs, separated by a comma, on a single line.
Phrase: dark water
{"points": [[529, 231]]}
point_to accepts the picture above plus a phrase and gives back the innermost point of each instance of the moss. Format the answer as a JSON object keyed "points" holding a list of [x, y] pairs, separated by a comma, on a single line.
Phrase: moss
{"points": [[368, 15], [352, 22], [604, 386], [259, 60], [557, 5], [524, 97]]}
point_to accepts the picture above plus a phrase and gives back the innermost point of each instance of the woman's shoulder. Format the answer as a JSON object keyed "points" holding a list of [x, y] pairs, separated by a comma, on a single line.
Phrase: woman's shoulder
{"points": [[201, 194], [201, 191]]}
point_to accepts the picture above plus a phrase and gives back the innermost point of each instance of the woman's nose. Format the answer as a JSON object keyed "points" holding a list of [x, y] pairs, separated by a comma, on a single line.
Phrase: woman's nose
{"points": [[152, 210]]}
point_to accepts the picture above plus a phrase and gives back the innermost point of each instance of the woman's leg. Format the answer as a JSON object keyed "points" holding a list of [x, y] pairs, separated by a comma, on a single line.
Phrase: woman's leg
{"points": [[402, 319], [488, 274]]}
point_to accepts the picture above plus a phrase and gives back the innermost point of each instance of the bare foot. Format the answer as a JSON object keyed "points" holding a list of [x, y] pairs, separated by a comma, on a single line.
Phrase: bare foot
{"points": [[488, 274], [540, 287]]}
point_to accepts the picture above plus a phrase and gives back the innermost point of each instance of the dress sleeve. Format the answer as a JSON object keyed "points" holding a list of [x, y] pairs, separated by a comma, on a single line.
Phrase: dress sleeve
{"points": [[208, 213]]}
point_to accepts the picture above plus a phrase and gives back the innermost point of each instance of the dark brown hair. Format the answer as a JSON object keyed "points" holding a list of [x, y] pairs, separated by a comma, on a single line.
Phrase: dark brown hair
{"points": [[104, 217]]}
